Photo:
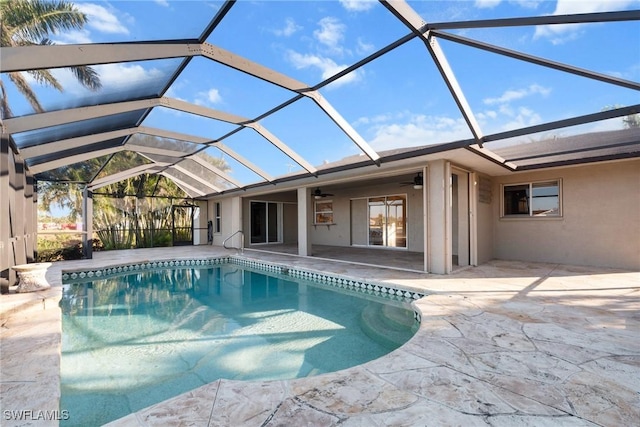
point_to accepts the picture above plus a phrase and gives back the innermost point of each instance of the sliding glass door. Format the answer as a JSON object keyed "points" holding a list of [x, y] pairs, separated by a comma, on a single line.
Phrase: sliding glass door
{"points": [[387, 221], [266, 222]]}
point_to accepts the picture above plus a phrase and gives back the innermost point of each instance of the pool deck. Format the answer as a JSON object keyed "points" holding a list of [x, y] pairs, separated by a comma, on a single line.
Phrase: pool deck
{"points": [[502, 344]]}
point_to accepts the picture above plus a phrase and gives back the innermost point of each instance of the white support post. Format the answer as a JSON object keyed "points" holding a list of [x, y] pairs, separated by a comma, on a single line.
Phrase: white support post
{"points": [[236, 218], [87, 223], [425, 218], [473, 219], [304, 238], [439, 217]]}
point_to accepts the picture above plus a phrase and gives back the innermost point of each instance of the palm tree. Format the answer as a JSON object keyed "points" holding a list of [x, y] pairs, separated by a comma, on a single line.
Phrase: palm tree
{"points": [[31, 22]]}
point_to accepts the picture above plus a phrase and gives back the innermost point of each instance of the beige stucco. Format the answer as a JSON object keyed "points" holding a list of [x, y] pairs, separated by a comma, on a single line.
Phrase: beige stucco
{"points": [[340, 234], [600, 223], [485, 222], [599, 226]]}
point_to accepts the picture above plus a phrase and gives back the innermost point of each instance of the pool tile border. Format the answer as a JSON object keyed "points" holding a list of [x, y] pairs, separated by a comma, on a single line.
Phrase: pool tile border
{"points": [[341, 282]]}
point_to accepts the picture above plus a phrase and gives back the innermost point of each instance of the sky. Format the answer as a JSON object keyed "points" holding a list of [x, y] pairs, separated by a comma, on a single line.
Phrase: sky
{"points": [[398, 100]]}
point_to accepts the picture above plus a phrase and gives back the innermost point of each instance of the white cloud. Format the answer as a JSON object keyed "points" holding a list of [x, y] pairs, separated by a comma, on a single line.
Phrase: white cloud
{"points": [[73, 37], [364, 47], [163, 3], [114, 77], [519, 118], [102, 19], [290, 28], [127, 77], [327, 66], [416, 130], [512, 95], [380, 118], [487, 115], [406, 129], [358, 5], [209, 97], [487, 4], [561, 33], [331, 33]]}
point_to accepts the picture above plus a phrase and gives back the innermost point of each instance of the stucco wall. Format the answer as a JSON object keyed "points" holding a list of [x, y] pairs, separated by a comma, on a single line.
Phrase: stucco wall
{"points": [[600, 223], [485, 224], [340, 233], [226, 221]]}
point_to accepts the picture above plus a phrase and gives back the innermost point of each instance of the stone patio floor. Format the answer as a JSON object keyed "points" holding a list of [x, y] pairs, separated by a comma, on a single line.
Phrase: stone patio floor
{"points": [[502, 344]]}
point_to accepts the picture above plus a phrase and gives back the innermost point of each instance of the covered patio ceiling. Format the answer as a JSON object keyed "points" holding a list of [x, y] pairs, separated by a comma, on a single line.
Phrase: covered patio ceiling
{"points": [[253, 93]]}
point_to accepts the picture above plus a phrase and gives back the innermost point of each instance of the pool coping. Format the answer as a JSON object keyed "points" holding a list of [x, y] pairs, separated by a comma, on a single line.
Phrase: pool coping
{"points": [[366, 286]]}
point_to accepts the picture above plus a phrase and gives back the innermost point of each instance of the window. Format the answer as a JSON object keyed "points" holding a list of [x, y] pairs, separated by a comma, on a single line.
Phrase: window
{"points": [[217, 224], [533, 199], [387, 221], [324, 212]]}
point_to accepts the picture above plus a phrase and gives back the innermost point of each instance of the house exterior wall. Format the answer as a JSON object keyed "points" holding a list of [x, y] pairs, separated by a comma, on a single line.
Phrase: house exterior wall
{"points": [[289, 212], [346, 221], [230, 219], [485, 202], [600, 223], [290, 223]]}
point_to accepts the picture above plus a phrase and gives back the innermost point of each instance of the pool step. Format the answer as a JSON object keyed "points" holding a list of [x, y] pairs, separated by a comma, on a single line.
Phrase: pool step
{"points": [[387, 324]]}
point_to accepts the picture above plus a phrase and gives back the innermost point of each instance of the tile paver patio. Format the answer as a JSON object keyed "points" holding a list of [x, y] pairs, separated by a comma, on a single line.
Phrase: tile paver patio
{"points": [[502, 344]]}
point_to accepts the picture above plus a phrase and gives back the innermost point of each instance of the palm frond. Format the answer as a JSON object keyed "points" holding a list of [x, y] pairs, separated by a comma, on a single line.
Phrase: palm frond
{"points": [[30, 22], [35, 19], [44, 77], [88, 77], [5, 110], [24, 88]]}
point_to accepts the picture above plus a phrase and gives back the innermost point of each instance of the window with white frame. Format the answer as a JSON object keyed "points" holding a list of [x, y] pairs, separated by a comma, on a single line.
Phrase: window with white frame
{"points": [[323, 212], [533, 199], [217, 225]]}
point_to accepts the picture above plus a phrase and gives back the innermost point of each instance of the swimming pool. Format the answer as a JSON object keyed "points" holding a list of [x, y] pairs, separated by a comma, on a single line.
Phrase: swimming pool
{"points": [[146, 333]]}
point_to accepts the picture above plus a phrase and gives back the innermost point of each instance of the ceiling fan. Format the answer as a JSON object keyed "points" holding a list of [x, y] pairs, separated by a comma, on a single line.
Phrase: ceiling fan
{"points": [[318, 194], [417, 181]]}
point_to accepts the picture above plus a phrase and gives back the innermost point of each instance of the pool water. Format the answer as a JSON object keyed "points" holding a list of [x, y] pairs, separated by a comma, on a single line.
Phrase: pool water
{"points": [[134, 340]]}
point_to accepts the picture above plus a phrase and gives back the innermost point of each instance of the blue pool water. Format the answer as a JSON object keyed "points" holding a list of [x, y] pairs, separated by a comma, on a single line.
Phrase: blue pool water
{"points": [[130, 341]]}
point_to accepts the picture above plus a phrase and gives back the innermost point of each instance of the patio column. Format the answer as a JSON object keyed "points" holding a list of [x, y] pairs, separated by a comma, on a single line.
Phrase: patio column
{"points": [[5, 243], [87, 223], [439, 217], [236, 219], [31, 217], [17, 210], [304, 238]]}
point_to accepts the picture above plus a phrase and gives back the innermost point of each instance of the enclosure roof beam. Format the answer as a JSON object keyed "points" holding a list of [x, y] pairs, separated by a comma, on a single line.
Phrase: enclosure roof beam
{"points": [[246, 163], [63, 145], [189, 189], [200, 140], [195, 177], [54, 118], [70, 143], [40, 57], [344, 126], [282, 147], [411, 19], [576, 18], [73, 55], [539, 61], [69, 160], [145, 149], [225, 57], [222, 174], [129, 173]]}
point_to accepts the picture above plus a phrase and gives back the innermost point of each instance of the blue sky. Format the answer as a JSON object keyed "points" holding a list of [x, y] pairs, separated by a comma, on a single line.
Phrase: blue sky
{"points": [[398, 100]]}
